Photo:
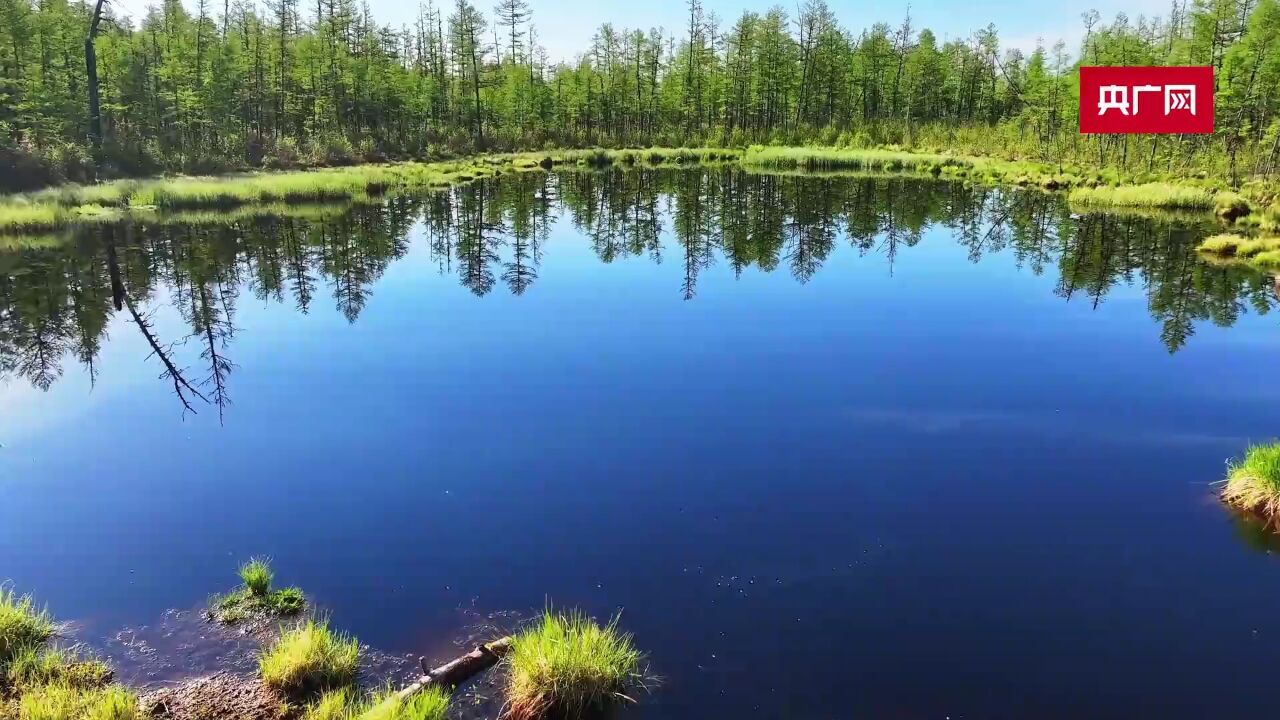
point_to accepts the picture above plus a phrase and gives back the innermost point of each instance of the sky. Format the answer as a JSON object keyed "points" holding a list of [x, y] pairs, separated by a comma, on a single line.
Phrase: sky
{"points": [[565, 27]]}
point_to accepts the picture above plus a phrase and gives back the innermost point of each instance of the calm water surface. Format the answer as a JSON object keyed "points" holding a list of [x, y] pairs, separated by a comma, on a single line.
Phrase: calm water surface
{"points": [[839, 448]]}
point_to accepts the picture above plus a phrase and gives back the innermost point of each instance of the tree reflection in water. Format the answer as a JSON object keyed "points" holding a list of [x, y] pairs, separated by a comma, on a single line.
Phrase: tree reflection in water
{"points": [[56, 303]]}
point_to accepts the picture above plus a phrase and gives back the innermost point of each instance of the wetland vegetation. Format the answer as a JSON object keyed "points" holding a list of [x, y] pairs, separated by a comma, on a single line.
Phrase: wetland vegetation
{"points": [[256, 599], [564, 665], [753, 318], [491, 234], [1253, 484]]}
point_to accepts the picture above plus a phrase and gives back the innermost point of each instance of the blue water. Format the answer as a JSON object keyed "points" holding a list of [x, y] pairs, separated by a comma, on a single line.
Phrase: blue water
{"points": [[920, 486]]}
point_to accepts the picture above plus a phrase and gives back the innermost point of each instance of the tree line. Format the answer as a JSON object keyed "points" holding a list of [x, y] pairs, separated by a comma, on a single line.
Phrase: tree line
{"points": [[236, 83]]}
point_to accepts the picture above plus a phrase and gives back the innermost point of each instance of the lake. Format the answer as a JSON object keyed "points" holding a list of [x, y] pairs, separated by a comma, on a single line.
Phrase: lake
{"points": [[836, 447]]}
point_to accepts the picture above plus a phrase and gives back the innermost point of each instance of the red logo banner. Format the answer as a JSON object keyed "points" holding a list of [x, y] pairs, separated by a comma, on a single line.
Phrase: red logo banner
{"points": [[1146, 99]]}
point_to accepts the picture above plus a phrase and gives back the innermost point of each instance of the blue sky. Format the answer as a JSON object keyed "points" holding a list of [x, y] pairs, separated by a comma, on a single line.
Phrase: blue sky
{"points": [[566, 26]]}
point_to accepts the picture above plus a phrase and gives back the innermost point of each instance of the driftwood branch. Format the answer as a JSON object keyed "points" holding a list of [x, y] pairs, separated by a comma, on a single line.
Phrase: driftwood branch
{"points": [[460, 669]]}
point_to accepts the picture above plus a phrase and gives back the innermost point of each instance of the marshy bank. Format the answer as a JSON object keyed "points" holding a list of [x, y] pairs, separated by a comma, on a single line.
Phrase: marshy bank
{"points": [[287, 193], [562, 665]]}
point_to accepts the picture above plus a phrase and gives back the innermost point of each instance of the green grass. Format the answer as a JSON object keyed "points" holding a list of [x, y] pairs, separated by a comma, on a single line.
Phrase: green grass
{"points": [[1230, 206], [333, 705], [1222, 244], [430, 704], [57, 208], [23, 626], [568, 666], [310, 658], [1156, 195], [256, 576], [1262, 253], [60, 701], [25, 216], [34, 667], [255, 598], [1253, 484], [818, 158]]}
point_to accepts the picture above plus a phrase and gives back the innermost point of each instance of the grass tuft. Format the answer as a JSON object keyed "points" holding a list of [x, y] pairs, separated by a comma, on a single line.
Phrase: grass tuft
{"points": [[1253, 484], [256, 576], [255, 599], [1262, 253], [310, 658], [332, 705], [22, 625], [430, 704], [568, 666], [65, 702], [35, 667]]}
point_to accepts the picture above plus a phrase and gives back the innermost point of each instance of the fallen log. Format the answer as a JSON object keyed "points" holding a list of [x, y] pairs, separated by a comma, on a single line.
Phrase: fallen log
{"points": [[460, 669]]}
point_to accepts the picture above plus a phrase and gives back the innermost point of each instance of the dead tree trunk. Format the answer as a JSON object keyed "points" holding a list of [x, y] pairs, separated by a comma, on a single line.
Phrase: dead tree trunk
{"points": [[91, 69], [461, 669]]}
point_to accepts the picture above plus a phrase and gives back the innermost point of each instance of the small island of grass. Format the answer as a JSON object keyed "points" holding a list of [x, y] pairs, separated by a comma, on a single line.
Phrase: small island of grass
{"points": [[567, 666], [1253, 484], [255, 598], [1262, 253], [310, 658]]}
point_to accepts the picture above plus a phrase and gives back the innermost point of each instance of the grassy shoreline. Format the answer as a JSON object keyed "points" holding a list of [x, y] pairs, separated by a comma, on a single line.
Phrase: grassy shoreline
{"points": [[561, 665], [277, 192], [273, 192]]}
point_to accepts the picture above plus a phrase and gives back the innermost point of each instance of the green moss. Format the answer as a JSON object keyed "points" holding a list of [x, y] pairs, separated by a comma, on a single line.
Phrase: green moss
{"points": [[310, 658], [567, 666]]}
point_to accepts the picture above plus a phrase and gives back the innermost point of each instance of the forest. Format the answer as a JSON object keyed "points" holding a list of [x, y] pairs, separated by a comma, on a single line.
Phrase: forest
{"points": [[211, 87]]}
